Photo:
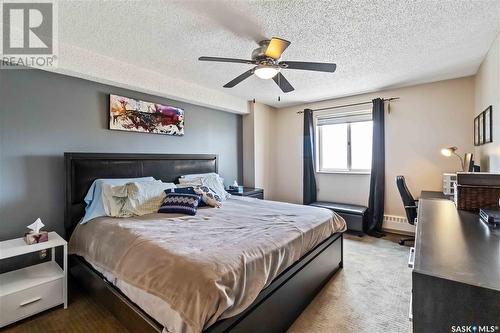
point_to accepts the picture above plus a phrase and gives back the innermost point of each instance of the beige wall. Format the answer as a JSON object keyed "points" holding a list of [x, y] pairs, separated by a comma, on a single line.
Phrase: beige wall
{"points": [[248, 139], [426, 118], [264, 119], [487, 92], [258, 139]]}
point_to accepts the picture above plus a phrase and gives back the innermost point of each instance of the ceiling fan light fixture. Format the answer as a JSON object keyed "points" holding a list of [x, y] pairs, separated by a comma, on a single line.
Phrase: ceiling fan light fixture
{"points": [[266, 72], [267, 58]]}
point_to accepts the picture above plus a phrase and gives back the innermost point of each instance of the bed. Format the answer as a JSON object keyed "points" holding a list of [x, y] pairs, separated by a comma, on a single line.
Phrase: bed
{"points": [[255, 272]]}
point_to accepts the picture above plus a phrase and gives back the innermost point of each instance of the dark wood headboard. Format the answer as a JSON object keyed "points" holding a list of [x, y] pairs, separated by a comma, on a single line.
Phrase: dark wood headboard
{"points": [[83, 168]]}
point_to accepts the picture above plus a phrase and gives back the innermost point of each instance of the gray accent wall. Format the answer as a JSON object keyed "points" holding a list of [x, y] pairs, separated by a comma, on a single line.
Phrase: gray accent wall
{"points": [[43, 115]]}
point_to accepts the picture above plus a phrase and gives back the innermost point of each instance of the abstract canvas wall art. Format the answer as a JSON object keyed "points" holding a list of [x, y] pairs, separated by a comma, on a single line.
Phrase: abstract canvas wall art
{"points": [[127, 114]]}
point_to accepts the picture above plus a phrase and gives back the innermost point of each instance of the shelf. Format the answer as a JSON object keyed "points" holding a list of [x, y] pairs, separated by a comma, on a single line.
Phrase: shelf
{"points": [[28, 277], [18, 246]]}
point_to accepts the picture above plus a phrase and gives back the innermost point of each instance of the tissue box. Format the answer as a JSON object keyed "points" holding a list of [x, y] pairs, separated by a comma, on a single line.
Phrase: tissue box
{"points": [[238, 189], [35, 238]]}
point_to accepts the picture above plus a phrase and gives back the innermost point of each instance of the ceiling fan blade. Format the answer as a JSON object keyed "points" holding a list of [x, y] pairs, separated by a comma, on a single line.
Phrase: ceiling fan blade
{"points": [[276, 47], [239, 61], [283, 83], [310, 66], [240, 78]]}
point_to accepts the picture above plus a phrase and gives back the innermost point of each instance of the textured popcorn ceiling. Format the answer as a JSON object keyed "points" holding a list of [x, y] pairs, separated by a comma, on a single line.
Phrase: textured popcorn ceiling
{"points": [[376, 44]]}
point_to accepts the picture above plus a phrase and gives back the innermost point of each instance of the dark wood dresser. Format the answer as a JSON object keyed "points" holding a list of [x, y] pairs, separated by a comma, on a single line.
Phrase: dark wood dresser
{"points": [[456, 270]]}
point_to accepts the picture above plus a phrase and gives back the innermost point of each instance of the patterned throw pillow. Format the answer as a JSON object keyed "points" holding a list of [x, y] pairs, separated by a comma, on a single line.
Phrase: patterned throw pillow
{"points": [[208, 196], [182, 203], [188, 190]]}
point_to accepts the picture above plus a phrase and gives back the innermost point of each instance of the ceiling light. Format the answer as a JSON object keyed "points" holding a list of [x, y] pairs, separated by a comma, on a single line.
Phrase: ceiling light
{"points": [[266, 72]]}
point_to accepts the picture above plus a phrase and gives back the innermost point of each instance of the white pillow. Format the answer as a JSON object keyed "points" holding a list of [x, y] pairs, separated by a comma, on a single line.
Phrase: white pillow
{"points": [[145, 197], [93, 199], [199, 175], [114, 198], [134, 198], [212, 180]]}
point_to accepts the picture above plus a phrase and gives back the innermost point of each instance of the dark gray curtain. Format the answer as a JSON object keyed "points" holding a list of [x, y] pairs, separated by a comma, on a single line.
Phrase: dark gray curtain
{"points": [[377, 179], [309, 195]]}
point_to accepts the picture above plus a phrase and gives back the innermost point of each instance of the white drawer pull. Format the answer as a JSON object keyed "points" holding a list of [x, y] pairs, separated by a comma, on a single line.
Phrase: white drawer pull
{"points": [[410, 312], [411, 258], [30, 301]]}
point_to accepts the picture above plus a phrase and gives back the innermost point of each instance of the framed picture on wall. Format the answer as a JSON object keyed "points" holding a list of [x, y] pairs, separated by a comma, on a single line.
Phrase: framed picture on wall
{"points": [[488, 126], [476, 131], [128, 114], [481, 128]]}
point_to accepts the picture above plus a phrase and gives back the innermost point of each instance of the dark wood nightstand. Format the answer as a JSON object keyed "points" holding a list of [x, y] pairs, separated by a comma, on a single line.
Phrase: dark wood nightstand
{"points": [[249, 192]]}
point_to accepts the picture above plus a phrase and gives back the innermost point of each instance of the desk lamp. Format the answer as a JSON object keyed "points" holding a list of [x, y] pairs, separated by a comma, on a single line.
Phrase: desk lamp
{"points": [[452, 151]]}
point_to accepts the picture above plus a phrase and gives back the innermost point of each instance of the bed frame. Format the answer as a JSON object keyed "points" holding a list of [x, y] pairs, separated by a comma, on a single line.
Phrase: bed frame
{"points": [[275, 308]]}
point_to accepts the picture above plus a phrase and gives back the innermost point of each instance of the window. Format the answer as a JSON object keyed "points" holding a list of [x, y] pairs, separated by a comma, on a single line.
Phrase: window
{"points": [[344, 141]]}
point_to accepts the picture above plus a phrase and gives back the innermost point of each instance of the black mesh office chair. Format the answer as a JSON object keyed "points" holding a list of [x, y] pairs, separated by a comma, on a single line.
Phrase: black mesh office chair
{"points": [[409, 203]]}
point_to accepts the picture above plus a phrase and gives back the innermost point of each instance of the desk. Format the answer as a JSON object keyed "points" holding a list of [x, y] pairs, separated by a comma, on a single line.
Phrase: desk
{"points": [[456, 270]]}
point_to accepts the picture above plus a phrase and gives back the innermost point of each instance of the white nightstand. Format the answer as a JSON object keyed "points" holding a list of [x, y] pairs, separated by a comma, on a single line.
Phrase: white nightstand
{"points": [[32, 289]]}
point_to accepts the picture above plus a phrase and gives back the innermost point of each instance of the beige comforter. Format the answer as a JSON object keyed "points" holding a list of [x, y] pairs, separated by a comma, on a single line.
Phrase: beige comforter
{"points": [[209, 266]]}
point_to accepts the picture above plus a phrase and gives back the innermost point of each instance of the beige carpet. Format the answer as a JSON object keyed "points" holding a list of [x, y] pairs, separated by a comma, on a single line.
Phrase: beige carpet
{"points": [[370, 294]]}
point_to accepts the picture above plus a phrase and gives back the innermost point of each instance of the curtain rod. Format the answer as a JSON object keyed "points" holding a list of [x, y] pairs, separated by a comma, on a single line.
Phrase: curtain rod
{"points": [[347, 105]]}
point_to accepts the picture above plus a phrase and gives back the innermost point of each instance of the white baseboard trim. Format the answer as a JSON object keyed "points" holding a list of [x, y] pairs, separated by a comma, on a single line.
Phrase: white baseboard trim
{"points": [[398, 224]]}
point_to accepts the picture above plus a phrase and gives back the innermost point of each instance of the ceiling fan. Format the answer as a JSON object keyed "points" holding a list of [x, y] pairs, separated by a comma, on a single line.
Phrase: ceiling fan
{"points": [[268, 65]]}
